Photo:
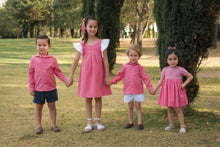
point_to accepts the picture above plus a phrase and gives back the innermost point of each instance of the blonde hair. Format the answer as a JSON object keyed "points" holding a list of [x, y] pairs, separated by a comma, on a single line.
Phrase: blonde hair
{"points": [[136, 48]]}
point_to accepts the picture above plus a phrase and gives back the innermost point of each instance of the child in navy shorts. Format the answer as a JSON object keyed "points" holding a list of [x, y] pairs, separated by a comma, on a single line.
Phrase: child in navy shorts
{"points": [[42, 84]]}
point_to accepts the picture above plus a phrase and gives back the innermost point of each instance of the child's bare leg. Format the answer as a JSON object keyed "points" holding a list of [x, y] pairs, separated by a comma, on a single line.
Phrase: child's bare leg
{"points": [[89, 109], [130, 111], [139, 112], [38, 114], [53, 112], [170, 114], [180, 116], [98, 108]]}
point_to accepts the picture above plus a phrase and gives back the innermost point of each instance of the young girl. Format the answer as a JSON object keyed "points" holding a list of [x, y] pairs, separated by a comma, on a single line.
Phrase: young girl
{"points": [[173, 93], [94, 70], [133, 74]]}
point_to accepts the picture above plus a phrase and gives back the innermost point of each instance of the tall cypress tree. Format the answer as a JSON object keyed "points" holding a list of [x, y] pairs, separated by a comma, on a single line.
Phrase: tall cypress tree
{"points": [[108, 15], [190, 26], [88, 8]]}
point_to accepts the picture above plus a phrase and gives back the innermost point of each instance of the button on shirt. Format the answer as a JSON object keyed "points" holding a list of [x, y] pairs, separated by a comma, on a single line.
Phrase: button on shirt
{"points": [[41, 73], [132, 75]]}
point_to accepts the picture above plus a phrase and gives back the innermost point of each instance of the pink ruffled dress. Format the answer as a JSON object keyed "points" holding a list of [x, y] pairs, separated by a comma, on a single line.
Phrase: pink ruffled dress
{"points": [[171, 93], [92, 71]]}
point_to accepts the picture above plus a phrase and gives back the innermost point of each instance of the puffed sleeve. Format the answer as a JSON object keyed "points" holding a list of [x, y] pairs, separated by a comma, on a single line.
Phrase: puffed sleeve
{"points": [[78, 47], [104, 45]]}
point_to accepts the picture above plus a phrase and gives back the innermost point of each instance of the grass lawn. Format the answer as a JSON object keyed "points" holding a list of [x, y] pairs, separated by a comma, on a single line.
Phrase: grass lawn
{"points": [[17, 121]]}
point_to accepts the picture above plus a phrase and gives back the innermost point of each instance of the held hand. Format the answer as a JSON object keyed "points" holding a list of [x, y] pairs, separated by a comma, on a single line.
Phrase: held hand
{"points": [[152, 92], [69, 82], [108, 81], [32, 93]]}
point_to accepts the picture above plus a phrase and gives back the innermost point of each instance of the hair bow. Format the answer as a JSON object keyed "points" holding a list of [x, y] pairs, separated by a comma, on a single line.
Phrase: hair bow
{"points": [[172, 47], [83, 25]]}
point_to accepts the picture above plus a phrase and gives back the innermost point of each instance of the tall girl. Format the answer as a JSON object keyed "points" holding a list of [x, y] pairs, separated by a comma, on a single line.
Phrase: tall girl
{"points": [[173, 93], [94, 70]]}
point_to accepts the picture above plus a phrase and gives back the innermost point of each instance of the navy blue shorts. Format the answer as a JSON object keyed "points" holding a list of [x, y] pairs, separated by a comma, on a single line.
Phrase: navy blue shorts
{"points": [[50, 96]]}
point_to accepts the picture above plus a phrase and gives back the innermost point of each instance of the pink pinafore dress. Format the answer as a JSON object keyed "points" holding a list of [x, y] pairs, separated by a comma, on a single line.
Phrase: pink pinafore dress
{"points": [[92, 71], [171, 93]]}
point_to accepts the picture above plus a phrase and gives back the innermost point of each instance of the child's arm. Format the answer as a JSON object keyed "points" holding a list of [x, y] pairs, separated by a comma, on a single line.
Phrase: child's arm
{"points": [[31, 78], [189, 79], [119, 76], [58, 72], [158, 84], [106, 65], [69, 80], [146, 80]]}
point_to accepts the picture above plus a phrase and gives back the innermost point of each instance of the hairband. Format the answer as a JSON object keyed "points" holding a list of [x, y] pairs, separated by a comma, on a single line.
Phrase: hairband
{"points": [[172, 47], [83, 25]]}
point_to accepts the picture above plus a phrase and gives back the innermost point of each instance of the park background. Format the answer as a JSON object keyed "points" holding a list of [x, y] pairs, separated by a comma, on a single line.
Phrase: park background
{"points": [[17, 125]]}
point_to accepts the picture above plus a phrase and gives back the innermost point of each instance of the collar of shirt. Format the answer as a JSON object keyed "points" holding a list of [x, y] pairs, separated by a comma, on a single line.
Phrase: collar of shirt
{"points": [[47, 56], [133, 64]]}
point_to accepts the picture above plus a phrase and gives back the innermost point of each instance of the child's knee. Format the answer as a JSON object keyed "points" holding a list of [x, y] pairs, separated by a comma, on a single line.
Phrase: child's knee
{"points": [[178, 110], [170, 109]]}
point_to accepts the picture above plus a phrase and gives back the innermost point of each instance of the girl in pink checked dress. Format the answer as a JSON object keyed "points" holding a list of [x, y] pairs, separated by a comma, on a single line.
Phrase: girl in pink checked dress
{"points": [[94, 70], [133, 74], [173, 93]]}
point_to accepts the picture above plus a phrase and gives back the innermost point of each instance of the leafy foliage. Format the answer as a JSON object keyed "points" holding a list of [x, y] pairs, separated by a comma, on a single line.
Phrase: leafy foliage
{"points": [[32, 17]]}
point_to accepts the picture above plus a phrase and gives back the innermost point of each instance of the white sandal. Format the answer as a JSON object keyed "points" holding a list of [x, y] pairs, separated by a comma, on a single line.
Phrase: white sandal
{"points": [[170, 127], [99, 127], [89, 126], [182, 129]]}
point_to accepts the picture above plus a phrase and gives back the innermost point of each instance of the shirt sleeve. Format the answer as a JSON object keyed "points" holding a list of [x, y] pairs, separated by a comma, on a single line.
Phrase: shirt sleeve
{"points": [[119, 76], [31, 71], [183, 71], [145, 78], [104, 45], [78, 47], [163, 73], [58, 72]]}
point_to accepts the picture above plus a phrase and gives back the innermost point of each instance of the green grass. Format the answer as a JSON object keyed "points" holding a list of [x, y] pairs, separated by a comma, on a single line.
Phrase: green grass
{"points": [[17, 121]]}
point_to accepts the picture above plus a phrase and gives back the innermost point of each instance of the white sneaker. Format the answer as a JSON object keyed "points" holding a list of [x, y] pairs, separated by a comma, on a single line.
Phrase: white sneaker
{"points": [[100, 127], [182, 129], [88, 128], [170, 127]]}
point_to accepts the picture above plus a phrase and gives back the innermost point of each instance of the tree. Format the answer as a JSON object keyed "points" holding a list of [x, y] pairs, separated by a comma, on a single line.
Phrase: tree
{"points": [[88, 8], [67, 15], [108, 15], [190, 26], [141, 14], [138, 14]]}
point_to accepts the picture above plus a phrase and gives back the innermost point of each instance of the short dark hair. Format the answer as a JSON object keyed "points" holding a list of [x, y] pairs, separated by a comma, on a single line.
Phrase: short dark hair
{"points": [[43, 37]]}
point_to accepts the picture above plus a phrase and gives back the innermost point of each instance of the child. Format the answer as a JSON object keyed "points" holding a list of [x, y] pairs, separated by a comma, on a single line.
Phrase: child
{"points": [[42, 84], [173, 93], [94, 70], [133, 74]]}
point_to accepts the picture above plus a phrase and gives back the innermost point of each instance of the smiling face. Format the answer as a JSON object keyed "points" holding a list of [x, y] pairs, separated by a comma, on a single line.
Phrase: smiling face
{"points": [[133, 56], [92, 28], [172, 60], [42, 46]]}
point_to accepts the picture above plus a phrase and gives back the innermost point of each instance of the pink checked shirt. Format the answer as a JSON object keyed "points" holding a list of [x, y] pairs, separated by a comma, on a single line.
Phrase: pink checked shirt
{"points": [[133, 76], [41, 73]]}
